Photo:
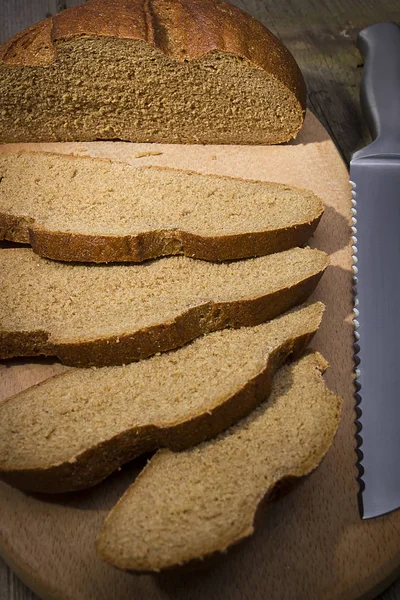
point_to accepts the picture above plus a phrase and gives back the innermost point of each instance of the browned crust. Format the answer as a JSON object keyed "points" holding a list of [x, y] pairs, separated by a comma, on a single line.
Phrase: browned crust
{"points": [[32, 47], [23, 343], [196, 321], [183, 30], [95, 464], [15, 228], [77, 247], [282, 486]]}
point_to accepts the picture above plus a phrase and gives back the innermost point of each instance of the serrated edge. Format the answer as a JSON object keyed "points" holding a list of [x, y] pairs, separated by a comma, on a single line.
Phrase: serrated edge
{"points": [[356, 350]]}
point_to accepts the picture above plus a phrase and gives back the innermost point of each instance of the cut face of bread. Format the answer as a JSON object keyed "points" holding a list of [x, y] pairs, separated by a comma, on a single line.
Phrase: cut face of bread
{"points": [[175, 71], [92, 210], [109, 315], [72, 430], [190, 505]]}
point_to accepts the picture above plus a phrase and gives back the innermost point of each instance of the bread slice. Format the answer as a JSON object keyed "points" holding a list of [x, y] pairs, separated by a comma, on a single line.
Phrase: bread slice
{"points": [[74, 429], [92, 210], [110, 315], [190, 505], [175, 71]]}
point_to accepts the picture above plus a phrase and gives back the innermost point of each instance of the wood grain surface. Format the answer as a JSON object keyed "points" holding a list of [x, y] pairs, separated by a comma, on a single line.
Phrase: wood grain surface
{"points": [[321, 34]]}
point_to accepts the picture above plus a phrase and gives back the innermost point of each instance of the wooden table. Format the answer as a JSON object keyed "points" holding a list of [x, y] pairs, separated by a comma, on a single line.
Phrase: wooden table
{"points": [[321, 35]]}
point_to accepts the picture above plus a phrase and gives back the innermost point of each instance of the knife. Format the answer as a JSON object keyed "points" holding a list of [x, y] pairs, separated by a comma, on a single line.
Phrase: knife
{"points": [[375, 176]]}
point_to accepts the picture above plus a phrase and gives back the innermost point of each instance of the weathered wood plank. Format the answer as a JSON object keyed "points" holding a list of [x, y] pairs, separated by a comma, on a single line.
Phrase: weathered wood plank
{"points": [[11, 588], [321, 36], [15, 15], [392, 593]]}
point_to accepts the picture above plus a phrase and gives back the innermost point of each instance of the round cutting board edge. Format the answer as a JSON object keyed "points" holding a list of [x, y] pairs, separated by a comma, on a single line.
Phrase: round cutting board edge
{"points": [[310, 545]]}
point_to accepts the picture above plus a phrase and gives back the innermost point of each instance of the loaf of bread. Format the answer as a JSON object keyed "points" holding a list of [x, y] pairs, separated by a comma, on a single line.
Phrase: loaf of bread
{"points": [[115, 314], [190, 505], [71, 431], [175, 71], [91, 210]]}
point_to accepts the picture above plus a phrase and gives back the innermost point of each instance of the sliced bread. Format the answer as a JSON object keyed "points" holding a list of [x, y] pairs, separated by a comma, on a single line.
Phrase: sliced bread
{"points": [[190, 505], [74, 429], [91, 210], [175, 71], [110, 315]]}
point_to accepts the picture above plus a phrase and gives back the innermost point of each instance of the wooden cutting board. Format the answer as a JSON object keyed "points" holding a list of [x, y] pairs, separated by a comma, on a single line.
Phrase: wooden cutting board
{"points": [[310, 546]]}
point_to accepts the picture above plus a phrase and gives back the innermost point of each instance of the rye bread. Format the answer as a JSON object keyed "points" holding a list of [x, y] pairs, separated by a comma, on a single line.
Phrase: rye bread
{"points": [[90, 315], [83, 209], [187, 506], [174, 71], [71, 431]]}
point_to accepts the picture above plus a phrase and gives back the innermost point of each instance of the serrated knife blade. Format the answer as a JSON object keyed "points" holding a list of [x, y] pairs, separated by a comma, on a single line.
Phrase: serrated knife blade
{"points": [[375, 176]]}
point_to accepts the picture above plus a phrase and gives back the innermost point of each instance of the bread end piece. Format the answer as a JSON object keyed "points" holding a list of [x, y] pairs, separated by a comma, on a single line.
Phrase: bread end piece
{"points": [[188, 45], [190, 506]]}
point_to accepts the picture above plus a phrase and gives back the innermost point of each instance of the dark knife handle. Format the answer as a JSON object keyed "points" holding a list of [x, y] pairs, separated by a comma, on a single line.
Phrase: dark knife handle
{"points": [[380, 90]]}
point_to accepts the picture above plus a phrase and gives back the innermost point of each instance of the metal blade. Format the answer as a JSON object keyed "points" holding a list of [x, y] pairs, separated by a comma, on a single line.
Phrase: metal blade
{"points": [[376, 220]]}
